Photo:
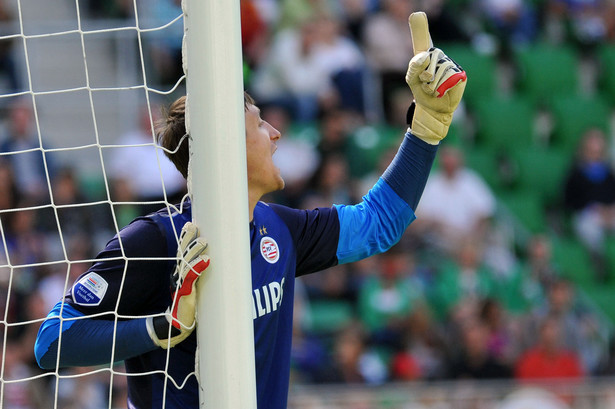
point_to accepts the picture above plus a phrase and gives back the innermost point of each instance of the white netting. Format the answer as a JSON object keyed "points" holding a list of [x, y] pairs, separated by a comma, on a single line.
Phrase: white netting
{"points": [[81, 85]]}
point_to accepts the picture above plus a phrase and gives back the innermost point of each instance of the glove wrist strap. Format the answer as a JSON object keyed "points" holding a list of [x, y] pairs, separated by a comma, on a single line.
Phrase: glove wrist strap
{"points": [[159, 327], [427, 127], [410, 113]]}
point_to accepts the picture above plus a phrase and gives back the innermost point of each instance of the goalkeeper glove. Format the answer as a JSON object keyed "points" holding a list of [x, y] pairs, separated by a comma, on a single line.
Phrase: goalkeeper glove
{"points": [[437, 83], [179, 320]]}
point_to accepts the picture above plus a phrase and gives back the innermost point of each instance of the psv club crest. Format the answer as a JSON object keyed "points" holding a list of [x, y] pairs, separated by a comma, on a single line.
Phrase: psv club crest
{"points": [[270, 250]]}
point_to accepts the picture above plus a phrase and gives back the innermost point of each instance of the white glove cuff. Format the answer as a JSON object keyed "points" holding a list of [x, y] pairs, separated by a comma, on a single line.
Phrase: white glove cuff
{"points": [[427, 127], [149, 324]]}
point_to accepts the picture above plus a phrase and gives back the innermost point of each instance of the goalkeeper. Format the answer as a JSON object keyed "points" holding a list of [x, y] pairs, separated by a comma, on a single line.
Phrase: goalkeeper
{"points": [[158, 280]]}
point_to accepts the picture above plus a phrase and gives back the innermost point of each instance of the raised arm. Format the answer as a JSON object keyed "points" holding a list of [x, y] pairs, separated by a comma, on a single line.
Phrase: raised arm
{"points": [[377, 223]]}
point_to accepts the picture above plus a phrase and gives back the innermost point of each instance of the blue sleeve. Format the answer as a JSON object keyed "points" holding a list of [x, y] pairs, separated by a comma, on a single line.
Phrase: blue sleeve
{"points": [[378, 222], [407, 174], [87, 341]]}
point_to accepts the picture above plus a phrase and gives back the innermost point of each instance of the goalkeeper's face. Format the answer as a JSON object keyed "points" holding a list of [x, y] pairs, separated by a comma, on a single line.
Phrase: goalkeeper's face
{"points": [[263, 176]]}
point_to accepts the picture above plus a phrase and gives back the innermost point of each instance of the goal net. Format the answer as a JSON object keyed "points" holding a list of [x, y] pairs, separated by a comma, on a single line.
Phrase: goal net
{"points": [[82, 84]]}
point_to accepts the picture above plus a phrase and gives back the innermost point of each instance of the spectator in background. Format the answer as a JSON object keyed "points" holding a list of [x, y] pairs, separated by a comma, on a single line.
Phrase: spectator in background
{"points": [[345, 63], [475, 360], [549, 358], [74, 225], [122, 191], [73, 220], [368, 179], [333, 175], [444, 27], [424, 352], [294, 12], [9, 76], [25, 245], [28, 167], [539, 260], [144, 167], [387, 298], [9, 192], [589, 196], [460, 285], [119, 392], [386, 41], [457, 204], [527, 284], [34, 309], [165, 47], [331, 182], [514, 22], [583, 22], [84, 390], [609, 20], [334, 284], [309, 353], [352, 361], [254, 33], [502, 335], [21, 395], [578, 328], [335, 126], [310, 68], [110, 9], [269, 11], [355, 13]]}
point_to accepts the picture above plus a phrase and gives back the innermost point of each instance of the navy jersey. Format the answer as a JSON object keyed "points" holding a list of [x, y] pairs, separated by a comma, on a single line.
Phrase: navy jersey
{"points": [[132, 277], [284, 242]]}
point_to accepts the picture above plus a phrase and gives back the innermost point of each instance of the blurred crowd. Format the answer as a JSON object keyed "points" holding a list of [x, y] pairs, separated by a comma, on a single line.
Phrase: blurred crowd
{"points": [[457, 298]]}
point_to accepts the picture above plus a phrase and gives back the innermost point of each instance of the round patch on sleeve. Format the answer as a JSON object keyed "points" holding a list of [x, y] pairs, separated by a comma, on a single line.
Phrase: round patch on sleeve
{"points": [[89, 290]]}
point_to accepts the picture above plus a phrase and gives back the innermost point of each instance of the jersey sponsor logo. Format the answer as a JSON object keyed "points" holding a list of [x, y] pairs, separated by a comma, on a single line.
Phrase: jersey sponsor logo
{"points": [[89, 290], [267, 298], [270, 250]]}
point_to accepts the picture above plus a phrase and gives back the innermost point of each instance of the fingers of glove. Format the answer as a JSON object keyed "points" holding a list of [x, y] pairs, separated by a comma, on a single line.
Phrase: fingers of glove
{"points": [[197, 266], [443, 71], [419, 30], [417, 64], [435, 55], [447, 74], [184, 272], [195, 249], [184, 300], [188, 234]]}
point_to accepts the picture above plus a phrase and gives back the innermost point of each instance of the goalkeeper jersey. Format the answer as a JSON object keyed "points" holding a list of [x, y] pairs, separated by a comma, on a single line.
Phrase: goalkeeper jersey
{"points": [[132, 277]]}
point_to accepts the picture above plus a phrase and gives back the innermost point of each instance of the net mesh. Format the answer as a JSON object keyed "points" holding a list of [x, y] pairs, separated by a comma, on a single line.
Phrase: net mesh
{"points": [[81, 85]]}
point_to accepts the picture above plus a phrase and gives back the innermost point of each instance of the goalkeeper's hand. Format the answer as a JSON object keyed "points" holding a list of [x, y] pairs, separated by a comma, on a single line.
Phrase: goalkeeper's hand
{"points": [[436, 81], [179, 320]]}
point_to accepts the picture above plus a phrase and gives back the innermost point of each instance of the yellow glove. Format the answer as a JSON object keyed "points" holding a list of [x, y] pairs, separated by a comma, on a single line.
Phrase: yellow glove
{"points": [[179, 320], [436, 81]]}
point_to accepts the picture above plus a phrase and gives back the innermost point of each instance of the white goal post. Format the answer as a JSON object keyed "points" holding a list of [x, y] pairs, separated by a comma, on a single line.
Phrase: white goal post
{"points": [[85, 81], [219, 188]]}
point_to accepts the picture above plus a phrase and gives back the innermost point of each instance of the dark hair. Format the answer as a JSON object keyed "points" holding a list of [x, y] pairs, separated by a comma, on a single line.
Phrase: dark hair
{"points": [[171, 131]]}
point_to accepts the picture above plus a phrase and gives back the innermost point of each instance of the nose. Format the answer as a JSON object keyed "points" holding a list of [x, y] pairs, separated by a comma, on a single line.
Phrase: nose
{"points": [[274, 134]]}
